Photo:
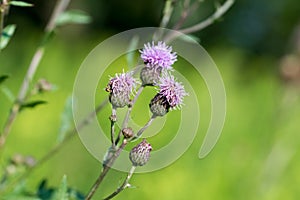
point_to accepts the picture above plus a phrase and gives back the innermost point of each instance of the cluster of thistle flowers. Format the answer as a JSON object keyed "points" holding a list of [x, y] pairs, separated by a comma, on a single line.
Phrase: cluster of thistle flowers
{"points": [[158, 60]]}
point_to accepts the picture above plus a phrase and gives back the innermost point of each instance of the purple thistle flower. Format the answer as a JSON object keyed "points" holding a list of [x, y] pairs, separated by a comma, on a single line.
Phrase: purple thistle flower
{"points": [[122, 82], [159, 55], [170, 96], [172, 90], [120, 87]]}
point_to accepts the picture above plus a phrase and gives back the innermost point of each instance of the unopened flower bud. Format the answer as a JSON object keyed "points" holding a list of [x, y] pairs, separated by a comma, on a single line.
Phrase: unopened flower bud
{"points": [[119, 100], [128, 132], [159, 105], [113, 118], [11, 169], [18, 159], [140, 154], [30, 161], [43, 86], [150, 75]]}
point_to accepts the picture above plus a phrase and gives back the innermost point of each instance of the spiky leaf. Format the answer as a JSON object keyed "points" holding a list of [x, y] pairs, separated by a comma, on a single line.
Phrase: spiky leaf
{"points": [[62, 192], [7, 33], [3, 78], [32, 104], [73, 17], [66, 120], [20, 3]]}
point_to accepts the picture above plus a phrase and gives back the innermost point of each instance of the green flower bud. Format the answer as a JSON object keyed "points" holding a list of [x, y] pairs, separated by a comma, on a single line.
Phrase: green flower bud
{"points": [[159, 105], [150, 75], [140, 154]]}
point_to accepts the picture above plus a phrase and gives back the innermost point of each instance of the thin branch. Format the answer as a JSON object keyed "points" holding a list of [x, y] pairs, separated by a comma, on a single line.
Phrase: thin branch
{"points": [[167, 13], [187, 11], [2, 13], [57, 147], [138, 93], [72, 133], [58, 9], [202, 25], [124, 185], [106, 168], [140, 132], [126, 119], [113, 119]]}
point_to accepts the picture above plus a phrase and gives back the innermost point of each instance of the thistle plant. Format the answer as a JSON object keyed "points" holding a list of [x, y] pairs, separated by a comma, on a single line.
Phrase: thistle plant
{"points": [[123, 92], [158, 60]]}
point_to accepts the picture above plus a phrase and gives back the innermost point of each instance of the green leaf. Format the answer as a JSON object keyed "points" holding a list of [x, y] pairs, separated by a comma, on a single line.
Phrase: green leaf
{"points": [[8, 93], [75, 195], [7, 33], [66, 120], [20, 3], [47, 37], [131, 48], [3, 78], [62, 192], [32, 104], [19, 193], [73, 17], [19, 188], [43, 191]]}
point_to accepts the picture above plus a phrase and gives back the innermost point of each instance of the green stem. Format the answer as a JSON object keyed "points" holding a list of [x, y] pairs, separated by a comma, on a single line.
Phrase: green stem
{"points": [[140, 132], [59, 8], [167, 13], [209, 21], [57, 147], [187, 11], [2, 11], [124, 185], [126, 119], [105, 170], [113, 119], [203, 24]]}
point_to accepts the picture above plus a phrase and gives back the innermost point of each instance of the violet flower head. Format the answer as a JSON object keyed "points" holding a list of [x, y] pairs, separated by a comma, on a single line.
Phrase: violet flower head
{"points": [[172, 90], [122, 82], [170, 96], [159, 55], [120, 87]]}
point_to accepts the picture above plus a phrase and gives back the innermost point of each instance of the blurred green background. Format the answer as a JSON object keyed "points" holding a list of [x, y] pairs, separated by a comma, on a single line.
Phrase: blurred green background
{"points": [[256, 46]]}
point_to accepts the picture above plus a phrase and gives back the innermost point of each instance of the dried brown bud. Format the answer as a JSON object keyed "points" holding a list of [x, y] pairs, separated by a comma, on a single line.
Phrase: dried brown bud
{"points": [[128, 132], [18, 159], [43, 86], [113, 118]]}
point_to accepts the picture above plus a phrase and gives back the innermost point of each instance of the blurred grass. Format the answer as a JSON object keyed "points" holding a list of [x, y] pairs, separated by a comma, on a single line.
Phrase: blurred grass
{"points": [[255, 158]]}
